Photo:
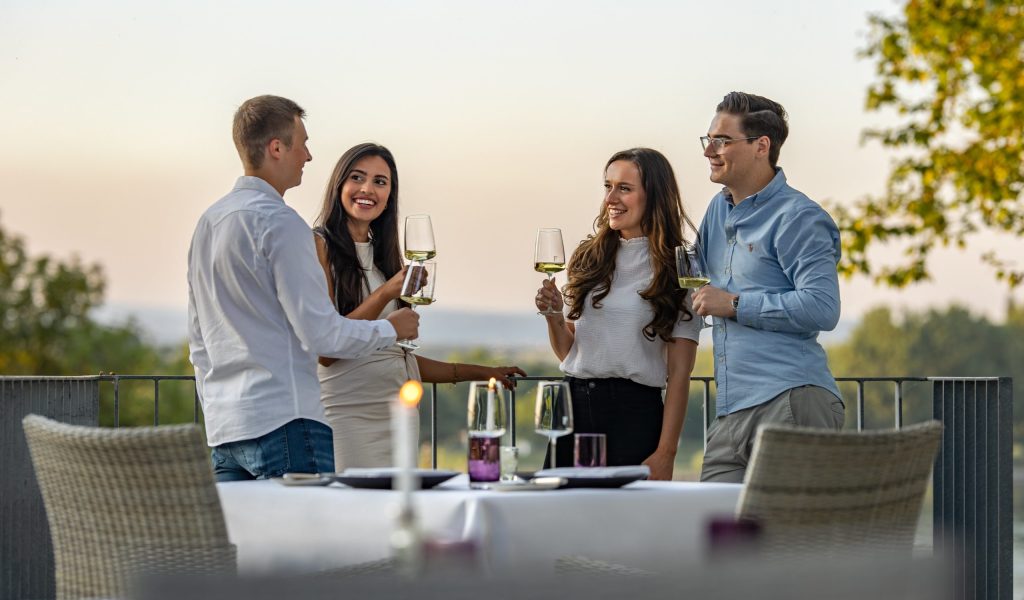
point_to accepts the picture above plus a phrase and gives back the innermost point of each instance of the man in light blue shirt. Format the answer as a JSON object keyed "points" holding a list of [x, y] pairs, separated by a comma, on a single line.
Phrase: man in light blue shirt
{"points": [[771, 254], [260, 314]]}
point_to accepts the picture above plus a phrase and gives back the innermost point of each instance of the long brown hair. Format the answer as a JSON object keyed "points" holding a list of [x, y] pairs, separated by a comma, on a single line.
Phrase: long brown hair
{"points": [[332, 223], [593, 263]]}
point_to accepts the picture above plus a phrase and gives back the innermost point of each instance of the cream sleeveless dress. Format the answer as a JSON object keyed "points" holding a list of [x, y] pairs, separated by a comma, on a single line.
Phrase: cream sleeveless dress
{"points": [[357, 393]]}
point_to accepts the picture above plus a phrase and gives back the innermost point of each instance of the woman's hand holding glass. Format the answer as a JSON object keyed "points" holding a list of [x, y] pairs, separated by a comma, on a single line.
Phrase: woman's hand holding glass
{"points": [[549, 299]]}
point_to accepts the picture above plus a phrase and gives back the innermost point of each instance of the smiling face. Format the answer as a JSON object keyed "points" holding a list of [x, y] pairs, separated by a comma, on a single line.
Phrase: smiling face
{"points": [[738, 162], [625, 198], [365, 192]]}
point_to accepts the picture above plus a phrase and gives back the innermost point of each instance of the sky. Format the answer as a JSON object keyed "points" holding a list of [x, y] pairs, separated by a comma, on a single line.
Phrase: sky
{"points": [[500, 115]]}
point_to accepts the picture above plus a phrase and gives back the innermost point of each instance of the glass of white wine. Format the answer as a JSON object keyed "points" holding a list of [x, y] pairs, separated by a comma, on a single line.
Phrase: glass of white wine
{"points": [[549, 257], [552, 416], [691, 270], [418, 290], [419, 238]]}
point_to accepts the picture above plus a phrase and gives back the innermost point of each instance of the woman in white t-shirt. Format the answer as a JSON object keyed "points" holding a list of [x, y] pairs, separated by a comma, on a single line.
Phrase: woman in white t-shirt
{"points": [[357, 244], [630, 331]]}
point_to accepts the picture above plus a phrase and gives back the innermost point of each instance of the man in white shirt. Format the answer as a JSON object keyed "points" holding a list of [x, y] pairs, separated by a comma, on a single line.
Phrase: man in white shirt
{"points": [[260, 314]]}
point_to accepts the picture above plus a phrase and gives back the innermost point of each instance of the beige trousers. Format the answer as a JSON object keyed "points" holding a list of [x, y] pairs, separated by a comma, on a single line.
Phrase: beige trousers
{"points": [[731, 438]]}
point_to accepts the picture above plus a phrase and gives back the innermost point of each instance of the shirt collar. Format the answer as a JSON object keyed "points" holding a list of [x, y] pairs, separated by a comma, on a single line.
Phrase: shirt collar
{"points": [[248, 182], [766, 192]]}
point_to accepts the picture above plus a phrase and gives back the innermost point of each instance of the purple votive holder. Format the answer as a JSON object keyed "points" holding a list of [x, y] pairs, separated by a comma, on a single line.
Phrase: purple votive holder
{"points": [[484, 458]]}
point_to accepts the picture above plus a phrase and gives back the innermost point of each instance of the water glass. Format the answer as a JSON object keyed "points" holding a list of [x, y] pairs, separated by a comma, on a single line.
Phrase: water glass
{"points": [[509, 462], [590, 450]]}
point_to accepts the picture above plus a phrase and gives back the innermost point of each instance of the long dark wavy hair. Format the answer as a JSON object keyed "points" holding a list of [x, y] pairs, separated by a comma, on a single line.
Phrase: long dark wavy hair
{"points": [[593, 263], [332, 223]]}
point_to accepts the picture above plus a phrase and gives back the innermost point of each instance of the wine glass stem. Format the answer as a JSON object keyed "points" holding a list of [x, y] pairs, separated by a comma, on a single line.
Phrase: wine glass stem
{"points": [[554, 448]]}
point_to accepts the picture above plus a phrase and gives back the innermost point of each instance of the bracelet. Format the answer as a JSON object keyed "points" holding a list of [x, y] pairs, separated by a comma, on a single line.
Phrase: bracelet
{"points": [[455, 372]]}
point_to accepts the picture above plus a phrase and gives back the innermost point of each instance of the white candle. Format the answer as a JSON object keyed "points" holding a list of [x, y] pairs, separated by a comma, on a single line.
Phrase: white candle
{"points": [[490, 404], [404, 444]]}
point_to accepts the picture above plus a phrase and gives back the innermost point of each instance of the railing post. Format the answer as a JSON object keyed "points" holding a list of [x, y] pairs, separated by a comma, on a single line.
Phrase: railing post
{"points": [[860, 405], [706, 400], [26, 554], [972, 484], [433, 426]]}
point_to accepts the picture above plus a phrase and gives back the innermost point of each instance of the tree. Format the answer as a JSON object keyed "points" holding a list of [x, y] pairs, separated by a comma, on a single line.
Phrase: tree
{"points": [[42, 300], [950, 342], [953, 70]]}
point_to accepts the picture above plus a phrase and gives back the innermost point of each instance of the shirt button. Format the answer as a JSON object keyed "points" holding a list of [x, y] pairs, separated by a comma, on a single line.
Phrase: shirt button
{"points": [[732, 241]]}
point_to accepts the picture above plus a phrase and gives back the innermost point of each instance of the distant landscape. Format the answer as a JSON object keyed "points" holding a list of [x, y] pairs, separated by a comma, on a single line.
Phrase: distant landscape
{"points": [[441, 330]]}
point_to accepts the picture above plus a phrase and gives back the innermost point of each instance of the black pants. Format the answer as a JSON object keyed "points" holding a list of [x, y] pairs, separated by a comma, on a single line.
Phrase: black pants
{"points": [[629, 413]]}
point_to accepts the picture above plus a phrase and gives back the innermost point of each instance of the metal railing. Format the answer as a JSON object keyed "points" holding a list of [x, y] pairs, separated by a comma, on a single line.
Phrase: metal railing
{"points": [[972, 493]]}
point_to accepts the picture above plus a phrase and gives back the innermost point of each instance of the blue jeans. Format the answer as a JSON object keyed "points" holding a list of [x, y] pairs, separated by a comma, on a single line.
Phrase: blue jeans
{"points": [[299, 446]]}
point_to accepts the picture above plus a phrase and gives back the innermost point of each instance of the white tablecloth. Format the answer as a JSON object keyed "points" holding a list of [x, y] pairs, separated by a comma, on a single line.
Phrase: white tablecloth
{"points": [[647, 524]]}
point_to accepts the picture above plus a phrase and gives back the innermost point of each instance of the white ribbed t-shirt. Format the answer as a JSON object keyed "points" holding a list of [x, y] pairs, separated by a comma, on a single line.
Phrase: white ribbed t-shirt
{"points": [[609, 341]]}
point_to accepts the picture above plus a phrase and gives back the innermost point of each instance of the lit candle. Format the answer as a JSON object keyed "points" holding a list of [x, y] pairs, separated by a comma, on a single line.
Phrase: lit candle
{"points": [[404, 443], [490, 404]]}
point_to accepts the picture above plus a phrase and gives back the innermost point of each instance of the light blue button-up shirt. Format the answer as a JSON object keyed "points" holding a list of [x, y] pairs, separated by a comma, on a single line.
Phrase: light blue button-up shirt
{"points": [[778, 250]]}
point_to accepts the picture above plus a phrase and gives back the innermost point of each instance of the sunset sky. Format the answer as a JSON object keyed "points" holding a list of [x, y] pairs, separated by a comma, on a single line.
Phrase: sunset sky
{"points": [[500, 115]]}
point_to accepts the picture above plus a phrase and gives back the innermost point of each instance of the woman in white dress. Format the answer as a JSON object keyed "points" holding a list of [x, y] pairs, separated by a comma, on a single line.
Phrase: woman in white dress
{"points": [[356, 238], [630, 331]]}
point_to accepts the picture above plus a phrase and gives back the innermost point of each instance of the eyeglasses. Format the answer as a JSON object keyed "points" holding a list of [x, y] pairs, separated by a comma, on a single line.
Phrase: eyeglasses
{"points": [[719, 144]]}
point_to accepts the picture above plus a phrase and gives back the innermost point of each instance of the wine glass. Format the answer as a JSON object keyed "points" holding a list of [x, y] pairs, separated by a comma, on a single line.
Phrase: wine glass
{"points": [[486, 423], [553, 414], [419, 238], [418, 290], [691, 270], [549, 257]]}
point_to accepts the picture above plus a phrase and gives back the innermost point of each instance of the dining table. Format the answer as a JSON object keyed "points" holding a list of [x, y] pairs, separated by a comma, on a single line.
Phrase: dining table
{"points": [[651, 525]]}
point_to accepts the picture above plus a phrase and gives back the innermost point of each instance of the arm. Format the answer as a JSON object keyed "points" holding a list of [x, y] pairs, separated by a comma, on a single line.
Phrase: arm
{"points": [[561, 333], [435, 371], [371, 307], [682, 353], [807, 249], [301, 289]]}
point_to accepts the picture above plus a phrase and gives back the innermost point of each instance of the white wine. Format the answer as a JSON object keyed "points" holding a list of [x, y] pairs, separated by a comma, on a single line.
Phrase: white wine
{"points": [[420, 255], [417, 300], [692, 283], [549, 268]]}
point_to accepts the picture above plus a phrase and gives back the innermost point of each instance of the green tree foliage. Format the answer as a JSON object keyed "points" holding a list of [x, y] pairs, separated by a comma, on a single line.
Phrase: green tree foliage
{"points": [[949, 343], [45, 306], [42, 301], [953, 70]]}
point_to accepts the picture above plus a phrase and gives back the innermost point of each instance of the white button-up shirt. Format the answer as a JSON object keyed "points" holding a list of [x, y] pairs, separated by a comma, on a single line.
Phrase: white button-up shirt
{"points": [[260, 314]]}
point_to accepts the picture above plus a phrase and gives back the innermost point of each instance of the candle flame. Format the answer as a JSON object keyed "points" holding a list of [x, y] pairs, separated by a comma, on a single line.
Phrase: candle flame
{"points": [[492, 383], [410, 393]]}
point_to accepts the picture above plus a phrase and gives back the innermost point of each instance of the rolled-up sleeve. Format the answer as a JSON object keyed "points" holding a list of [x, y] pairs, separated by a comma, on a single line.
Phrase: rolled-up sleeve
{"points": [[808, 252]]}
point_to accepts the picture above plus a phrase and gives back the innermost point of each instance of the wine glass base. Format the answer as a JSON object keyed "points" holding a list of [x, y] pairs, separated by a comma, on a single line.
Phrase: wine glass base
{"points": [[549, 312], [407, 344]]}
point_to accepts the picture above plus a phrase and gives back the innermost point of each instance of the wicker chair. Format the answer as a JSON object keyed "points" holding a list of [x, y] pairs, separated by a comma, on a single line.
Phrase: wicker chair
{"points": [[838, 494], [127, 502]]}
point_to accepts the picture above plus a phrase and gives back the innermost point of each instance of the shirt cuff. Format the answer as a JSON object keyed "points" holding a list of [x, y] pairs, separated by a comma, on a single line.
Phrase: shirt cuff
{"points": [[749, 309], [388, 335]]}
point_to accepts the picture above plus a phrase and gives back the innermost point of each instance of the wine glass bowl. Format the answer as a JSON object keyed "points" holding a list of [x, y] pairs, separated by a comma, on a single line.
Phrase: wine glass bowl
{"points": [[419, 238], [553, 413], [549, 257], [691, 270]]}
